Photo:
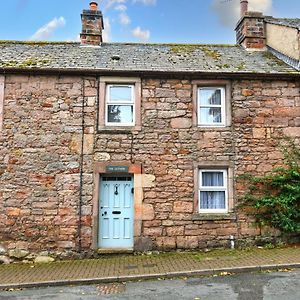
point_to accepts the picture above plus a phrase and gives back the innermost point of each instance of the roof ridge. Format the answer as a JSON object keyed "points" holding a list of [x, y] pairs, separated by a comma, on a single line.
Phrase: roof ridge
{"points": [[289, 22], [172, 44], [16, 42], [37, 42], [281, 18]]}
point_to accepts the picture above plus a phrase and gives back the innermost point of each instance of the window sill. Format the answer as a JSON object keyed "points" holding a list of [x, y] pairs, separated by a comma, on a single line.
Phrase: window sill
{"points": [[118, 129], [212, 128], [213, 217]]}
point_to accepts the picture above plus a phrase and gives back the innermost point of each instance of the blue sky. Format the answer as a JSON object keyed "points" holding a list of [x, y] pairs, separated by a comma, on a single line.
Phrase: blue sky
{"points": [[155, 21]]}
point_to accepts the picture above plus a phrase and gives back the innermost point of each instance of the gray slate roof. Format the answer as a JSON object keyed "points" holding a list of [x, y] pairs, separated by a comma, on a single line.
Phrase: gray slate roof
{"points": [[295, 23], [139, 58]]}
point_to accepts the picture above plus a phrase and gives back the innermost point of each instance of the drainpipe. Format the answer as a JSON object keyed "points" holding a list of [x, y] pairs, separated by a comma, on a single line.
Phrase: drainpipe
{"points": [[232, 244], [81, 169]]}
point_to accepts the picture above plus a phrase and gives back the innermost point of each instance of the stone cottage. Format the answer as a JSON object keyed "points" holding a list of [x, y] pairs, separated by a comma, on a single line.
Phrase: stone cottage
{"points": [[122, 146]]}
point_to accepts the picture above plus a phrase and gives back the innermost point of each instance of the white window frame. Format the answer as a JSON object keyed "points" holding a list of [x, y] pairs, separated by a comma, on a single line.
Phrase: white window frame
{"points": [[222, 106], [223, 188], [127, 103]]}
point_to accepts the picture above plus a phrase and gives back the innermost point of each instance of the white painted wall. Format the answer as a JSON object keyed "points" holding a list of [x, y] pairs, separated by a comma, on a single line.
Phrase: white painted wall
{"points": [[283, 39]]}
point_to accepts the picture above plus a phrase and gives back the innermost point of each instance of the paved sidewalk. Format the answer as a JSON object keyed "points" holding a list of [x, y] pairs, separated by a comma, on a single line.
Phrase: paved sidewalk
{"points": [[133, 267]]}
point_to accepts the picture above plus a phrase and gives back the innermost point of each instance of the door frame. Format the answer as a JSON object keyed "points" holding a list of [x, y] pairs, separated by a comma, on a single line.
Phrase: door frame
{"points": [[135, 170]]}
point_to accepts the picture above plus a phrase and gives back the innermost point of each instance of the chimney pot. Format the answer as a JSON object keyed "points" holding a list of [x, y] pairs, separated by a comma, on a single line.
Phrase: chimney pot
{"points": [[93, 6], [244, 7]]}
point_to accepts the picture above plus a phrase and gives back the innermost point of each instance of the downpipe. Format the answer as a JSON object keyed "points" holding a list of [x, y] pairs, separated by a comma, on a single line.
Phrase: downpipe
{"points": [[232, 242]]}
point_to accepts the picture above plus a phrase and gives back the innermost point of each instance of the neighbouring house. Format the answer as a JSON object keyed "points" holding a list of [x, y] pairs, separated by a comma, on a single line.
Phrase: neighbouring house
{"points": [[122, 146]]}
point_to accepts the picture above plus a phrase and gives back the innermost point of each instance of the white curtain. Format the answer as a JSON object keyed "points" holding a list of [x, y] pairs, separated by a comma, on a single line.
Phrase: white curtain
{"points": [[212, 199]]}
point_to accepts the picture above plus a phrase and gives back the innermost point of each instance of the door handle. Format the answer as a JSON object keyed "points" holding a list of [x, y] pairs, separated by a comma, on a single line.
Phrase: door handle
{"points": [[116, 191], [116, 212]]}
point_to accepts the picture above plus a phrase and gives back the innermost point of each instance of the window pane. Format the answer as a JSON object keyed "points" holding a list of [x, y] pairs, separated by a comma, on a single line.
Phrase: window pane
{"points": [[210, 115], [212, 200], [210, 96], [120, 93], [212, 179], [120, 114]]}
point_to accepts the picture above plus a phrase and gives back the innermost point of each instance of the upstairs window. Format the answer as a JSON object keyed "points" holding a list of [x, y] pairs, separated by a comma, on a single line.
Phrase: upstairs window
{"points": [[213, 195], [211, 106], [120, 105]]}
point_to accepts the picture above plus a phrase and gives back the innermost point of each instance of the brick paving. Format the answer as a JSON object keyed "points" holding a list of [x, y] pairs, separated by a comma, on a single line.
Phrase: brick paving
{"points": [[130, 267]]}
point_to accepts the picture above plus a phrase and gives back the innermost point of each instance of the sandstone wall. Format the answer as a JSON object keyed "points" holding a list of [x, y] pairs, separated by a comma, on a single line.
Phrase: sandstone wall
{"points": [[40, 158], [40, 147], [168, 146]]}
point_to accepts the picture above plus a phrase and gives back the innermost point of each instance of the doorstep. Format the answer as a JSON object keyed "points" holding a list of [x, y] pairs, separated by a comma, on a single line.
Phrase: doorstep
{"points": [[114, 251]]}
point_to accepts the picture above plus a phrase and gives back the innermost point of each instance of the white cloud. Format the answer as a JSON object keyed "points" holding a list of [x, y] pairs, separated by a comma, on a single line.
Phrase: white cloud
{"points": [[124, 19], [107, 30], [121, 7], [45, 31], [142, 35], [145, 2], [264, 6], [113, 2], [228, 12]]}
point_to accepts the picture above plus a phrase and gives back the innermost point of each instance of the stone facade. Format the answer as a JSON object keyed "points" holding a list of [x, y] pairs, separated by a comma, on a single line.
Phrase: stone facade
{"points": [[48, 167]]}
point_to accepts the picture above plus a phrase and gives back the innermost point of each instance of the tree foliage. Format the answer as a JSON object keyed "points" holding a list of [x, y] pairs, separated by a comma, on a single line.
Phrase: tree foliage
{"points": [[275, 198]]}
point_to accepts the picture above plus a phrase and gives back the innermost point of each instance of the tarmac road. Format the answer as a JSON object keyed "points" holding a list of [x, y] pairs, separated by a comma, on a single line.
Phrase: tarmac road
{"points": [[248, 286]]}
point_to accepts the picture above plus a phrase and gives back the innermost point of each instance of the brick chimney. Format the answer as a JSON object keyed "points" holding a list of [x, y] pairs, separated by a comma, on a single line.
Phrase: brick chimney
{"points": [[250, 29], [92, 26]]}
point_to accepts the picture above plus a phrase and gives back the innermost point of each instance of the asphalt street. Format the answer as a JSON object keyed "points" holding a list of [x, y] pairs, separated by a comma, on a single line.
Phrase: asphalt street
{"points": [[248, 286]]}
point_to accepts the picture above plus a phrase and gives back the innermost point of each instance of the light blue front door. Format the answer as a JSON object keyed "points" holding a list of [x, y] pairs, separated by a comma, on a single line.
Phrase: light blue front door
{"points": [[116, 212]]}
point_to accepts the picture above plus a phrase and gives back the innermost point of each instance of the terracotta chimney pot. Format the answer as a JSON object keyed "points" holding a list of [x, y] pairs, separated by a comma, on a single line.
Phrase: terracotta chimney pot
{"points": [[93, 6], [244, 7]]}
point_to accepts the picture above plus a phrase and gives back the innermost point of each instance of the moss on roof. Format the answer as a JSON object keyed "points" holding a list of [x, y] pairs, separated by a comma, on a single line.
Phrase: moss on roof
{"points": [[27, 63], [272, 58], [134, 57], [211, 53]]}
